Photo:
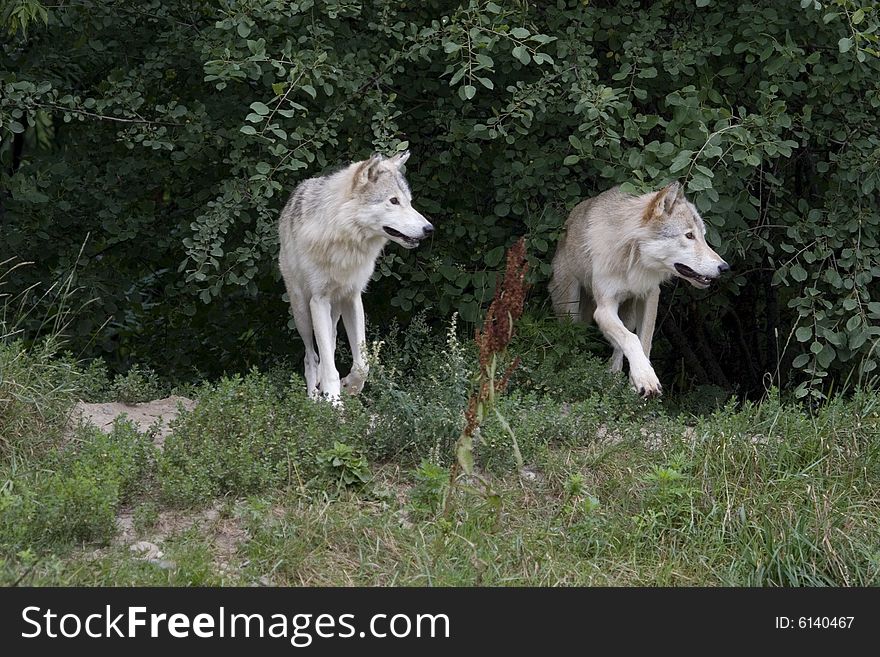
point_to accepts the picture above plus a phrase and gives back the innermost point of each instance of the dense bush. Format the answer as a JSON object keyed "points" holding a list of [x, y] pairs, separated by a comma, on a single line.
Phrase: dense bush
{"points": [[174, 163], [74, 495], [245, 435]]}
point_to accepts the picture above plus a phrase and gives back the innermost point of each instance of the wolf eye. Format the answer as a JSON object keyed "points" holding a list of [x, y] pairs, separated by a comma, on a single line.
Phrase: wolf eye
{"points": [[394, 200], [689, 235]]}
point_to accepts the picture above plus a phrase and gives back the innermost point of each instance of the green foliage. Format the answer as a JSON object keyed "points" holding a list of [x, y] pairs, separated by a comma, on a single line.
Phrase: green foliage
{"points": [[768, 493], [670, 496], [431, 483], [139, 384], [418, 390], [145, 516], [245, 436], [36, 394], [176, 163], [345, 465], [73, 495], [93, 384]]}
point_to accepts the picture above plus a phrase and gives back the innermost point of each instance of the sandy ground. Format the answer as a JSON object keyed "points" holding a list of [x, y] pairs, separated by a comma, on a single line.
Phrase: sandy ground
{"points": [[224, 530], [156, 414]]}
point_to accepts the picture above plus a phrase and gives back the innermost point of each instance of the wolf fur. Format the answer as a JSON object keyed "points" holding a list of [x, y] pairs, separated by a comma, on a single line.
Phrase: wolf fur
{"points": [[616, 251], [331, 231]]}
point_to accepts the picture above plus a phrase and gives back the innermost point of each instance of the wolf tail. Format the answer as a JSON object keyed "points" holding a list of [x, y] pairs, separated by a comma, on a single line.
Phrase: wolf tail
{"points": [[568, 297]]}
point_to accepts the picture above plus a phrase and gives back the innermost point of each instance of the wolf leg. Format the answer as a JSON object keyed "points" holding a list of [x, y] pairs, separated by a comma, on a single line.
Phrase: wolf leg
{"points": [[355, 329], [629, 314], [648, 319], [322, 323], [641, 374], [302, 317]]}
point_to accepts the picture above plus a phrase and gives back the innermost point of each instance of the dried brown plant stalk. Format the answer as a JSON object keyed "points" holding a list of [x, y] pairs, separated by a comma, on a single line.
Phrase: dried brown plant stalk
{"points": [[492, 340]]}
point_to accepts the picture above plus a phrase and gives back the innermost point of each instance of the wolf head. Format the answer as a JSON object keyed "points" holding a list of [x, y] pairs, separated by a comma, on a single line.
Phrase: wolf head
{"points": [[386, 201], [679, 246]]}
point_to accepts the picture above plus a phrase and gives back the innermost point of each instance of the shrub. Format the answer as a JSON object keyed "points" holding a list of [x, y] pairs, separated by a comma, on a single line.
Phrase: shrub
{"points": [[139, 384], [417, 394], [344, 465], [431, 483], [246, 435], [73, 495]]}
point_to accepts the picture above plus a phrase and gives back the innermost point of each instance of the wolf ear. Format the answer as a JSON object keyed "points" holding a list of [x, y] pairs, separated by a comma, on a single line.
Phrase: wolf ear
{"points": [[400, 159], [368, 171], [671, 194], [663, 201]]}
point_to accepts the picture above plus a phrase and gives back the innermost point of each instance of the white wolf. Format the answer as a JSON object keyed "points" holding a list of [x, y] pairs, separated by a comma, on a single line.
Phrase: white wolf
{"points": [[331, 230], [609, 265]]}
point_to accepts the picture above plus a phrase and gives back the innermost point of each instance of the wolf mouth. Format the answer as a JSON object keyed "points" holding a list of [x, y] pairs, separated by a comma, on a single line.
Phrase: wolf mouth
{"points": [[686, 272], [409, 241]]}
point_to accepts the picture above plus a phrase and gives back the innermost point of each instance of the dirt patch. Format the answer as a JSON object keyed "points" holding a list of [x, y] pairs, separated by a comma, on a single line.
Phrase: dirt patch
{"points": [[225, 532], [154, 416]]}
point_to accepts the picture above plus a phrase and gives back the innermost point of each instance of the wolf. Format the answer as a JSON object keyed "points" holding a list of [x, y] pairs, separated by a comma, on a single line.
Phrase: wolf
{"points": [[616, 251], [331, 231]]}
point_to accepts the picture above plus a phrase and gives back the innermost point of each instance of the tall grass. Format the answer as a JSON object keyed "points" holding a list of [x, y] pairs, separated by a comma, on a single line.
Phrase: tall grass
{"points": [[36, 386]]}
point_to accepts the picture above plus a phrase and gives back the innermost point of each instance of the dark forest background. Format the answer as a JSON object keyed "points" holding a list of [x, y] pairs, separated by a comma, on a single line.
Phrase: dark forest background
{"points": [[148, 147]]}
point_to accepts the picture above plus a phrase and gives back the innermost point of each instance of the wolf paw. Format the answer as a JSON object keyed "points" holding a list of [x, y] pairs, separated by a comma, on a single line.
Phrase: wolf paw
{"points": [[353, 383], [646, 383]]}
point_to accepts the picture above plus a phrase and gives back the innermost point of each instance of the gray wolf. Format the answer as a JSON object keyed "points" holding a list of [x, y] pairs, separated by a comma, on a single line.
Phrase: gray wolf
{"points": [[331, 231], [616, 251]]}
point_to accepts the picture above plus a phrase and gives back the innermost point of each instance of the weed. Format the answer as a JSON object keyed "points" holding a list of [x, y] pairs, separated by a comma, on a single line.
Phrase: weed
{"points": [[344, 465], [139, 384]]}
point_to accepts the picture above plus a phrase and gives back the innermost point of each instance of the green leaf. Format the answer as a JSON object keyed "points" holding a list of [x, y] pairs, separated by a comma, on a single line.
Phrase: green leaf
{"points": [[522, 54], [699, 182], [493, 257], [248, 130], [798, 273], [803, 333], [244, 30], [826, 356], [845, 44], [263, 167], [681, 160], [571, 159], [520, 33], [260, 108]]}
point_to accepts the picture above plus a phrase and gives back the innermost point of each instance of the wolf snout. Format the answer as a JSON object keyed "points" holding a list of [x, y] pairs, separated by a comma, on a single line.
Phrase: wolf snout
{"points": [[427, 230], [723, 267]]}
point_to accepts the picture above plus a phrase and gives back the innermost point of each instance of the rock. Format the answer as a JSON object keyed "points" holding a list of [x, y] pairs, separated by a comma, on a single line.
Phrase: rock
{"points": [[146, 550]]}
